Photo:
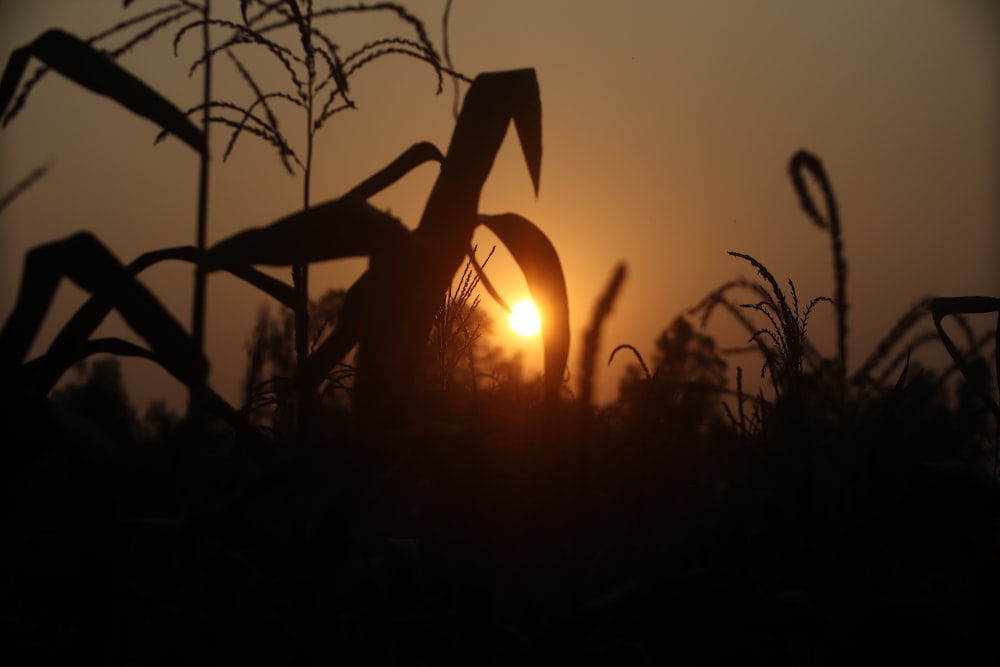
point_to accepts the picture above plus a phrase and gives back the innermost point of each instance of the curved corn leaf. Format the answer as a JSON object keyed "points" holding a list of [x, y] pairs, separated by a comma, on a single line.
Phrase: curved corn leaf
{"points": [[281, 292], [964, 305], [216, 405], [413, 157], [345, 227], [68, 346], [83, 64], [85, 261], [493, 100], [44, 371], [543, 273]]}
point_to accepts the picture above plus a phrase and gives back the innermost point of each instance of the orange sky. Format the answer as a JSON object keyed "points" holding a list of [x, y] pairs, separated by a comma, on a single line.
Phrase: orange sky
{"points": [[667, 127]]}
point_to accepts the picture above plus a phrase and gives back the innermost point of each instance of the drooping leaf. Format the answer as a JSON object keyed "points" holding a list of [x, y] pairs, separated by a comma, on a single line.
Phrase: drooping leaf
{"points": [[281, 292], [941, 308], [85, 261], [88, 67], [410, 159], [12, 77], [543, 273], [493, 100], [215, 404], [67, 347], [345, 227]]}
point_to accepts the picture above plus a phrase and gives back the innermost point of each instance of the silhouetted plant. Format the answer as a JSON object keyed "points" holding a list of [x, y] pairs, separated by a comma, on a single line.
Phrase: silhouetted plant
{"points": [[82, 62], [318, 74], [783, 341], [319, 79], [804, 161], [414, 269], [458, 324], [957, 306], [269, 387], [588, 358]]}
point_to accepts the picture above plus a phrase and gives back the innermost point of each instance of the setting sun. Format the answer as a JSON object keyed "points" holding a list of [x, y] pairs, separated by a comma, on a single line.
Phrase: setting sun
{"points": [[524, 319]]}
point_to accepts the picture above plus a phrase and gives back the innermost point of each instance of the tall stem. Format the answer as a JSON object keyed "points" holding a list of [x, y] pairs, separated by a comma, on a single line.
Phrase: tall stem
{"points": [[300, 272], [198, 315]]}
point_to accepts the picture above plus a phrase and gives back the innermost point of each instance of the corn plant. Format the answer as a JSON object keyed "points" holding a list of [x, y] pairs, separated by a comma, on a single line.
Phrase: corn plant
{"points": [[388, 311], [319, 75], [80, 257], [783, 343], [320, 88]]}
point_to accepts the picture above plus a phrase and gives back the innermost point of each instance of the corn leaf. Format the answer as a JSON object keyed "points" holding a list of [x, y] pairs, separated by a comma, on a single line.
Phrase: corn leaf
{"points": [[345, 227], [281, 292], [965, 305], [344, 336], [88, 67], [85, 261], [413, 157], [543, 273], [215, 404], [493, 101], [69, 345]]}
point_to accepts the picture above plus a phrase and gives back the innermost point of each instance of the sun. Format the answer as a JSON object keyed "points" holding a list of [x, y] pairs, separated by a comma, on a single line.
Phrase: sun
{"points": [[524, 319]]}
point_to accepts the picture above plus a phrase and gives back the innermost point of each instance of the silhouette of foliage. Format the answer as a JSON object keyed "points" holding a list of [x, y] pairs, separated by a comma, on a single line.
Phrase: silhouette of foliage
{"points": [[444, 510]]}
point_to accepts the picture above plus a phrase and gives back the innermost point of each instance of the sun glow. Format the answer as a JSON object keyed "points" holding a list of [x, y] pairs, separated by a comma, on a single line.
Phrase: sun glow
{"points": [[524, 319]]}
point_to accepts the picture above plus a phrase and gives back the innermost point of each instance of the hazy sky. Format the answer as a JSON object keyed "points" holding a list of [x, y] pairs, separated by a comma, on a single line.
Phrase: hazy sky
{"points": [[667, 128]]}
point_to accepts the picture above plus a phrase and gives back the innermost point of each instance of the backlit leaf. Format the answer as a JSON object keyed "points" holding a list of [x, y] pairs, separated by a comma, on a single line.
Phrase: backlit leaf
{"points": [[543, 273]]}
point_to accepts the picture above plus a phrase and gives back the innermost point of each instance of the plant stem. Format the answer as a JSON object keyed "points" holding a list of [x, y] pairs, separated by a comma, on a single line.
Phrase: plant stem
{"points": [[198, 316], [300, 272]]}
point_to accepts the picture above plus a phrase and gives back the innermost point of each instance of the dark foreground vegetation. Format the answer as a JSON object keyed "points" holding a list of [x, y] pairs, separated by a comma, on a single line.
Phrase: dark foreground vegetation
{"points": [[427, 504]]}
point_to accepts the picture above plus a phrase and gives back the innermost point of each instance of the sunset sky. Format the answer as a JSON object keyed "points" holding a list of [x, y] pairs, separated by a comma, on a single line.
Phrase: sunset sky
{"points": [[667, 129]]}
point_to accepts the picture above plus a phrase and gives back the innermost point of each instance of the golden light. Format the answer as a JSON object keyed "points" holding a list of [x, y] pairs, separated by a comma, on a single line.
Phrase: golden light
{"points": [[524, 319]]}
